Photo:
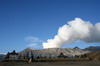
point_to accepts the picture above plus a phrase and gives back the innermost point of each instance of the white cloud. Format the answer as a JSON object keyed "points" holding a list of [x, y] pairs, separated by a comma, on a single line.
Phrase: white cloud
{"points": [[32, 45], [74, 30], [33, 41]]}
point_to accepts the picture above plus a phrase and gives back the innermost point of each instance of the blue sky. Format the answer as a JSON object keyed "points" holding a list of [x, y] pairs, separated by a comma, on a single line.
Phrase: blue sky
{"points": [[24, 20]]}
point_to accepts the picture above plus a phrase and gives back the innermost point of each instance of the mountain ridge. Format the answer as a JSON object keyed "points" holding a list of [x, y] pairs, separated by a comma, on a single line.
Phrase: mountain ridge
{"points": [[93, 48], [53, 52]]}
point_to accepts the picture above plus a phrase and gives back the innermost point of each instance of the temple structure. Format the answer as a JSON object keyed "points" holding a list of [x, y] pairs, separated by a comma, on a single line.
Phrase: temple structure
{"points": [[12, 56]]}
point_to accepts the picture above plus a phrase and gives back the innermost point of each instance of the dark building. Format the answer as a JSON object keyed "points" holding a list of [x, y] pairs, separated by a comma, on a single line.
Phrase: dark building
{"points": [[12, 56]]}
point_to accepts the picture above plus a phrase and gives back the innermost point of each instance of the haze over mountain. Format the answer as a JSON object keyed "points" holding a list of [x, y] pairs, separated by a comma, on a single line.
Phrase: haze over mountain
{"points": [[2, 56]]}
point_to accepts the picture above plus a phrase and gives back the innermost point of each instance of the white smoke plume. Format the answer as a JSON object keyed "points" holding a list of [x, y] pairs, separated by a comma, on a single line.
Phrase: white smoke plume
{"points": [[76, 29]]}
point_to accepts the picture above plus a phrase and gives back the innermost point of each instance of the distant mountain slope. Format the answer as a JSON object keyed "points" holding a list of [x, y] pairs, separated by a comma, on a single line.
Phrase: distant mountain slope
{"points": [[94, 55], [93, 48], [53, 52], [2, 56]]}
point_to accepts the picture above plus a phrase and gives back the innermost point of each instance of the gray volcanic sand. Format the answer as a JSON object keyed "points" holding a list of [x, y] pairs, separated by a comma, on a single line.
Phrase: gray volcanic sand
{"points": [[67, 63]]}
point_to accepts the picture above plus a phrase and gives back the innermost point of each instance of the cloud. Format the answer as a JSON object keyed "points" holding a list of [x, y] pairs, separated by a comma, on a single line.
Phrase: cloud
{"points": [[32, 45], [33, 41], [74, 30]]}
